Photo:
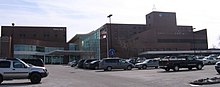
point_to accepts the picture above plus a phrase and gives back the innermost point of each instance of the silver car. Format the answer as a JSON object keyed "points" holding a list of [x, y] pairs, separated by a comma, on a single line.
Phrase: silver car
{"points": [[147, 63], [115, 63]]}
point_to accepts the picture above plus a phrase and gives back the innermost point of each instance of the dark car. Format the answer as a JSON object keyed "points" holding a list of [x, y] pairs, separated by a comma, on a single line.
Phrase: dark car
{"points": [[94, 65], [80, 63], [178, 62], [87, 62], [217, 67], [35, 61], [72, 63]]}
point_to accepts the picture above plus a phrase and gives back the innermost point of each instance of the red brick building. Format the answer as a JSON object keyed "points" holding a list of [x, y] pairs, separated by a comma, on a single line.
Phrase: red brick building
{"points": [[160, 33]]}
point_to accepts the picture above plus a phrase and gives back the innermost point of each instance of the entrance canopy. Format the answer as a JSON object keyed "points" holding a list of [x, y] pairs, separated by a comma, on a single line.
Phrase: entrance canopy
{"points": [[70, 52], [67, 53]]}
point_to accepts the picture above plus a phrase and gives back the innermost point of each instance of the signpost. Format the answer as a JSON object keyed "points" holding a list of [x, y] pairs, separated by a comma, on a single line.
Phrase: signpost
{"points": [[111, 52]]}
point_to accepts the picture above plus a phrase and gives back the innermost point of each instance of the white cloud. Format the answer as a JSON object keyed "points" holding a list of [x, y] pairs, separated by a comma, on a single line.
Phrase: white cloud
{"points": [[83, 16]]}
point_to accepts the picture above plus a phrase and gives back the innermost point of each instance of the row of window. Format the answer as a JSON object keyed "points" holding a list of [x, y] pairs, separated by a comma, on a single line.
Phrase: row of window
{"points": [[35, 35], [19, 47], [197, 41], [6, 64]]}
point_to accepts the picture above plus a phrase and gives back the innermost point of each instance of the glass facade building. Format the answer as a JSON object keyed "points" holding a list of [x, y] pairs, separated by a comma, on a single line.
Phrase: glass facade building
{"points": [[92, 43], [33, 51]]}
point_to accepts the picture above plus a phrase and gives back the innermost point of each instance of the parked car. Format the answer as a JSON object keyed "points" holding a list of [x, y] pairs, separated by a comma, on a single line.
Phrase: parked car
{"points": [[72, 63], [94, 65], [115, 63], [217, 67], [147, 63], [87, 62], [34, 61], [199, 58], [80, 63], [131, 60], [140, 59], [180, 62], [14, 68], [209, 60]]}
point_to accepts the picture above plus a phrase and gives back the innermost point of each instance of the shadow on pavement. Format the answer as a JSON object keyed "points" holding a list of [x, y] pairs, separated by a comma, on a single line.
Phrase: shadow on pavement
{"points": [[171, 71], [114, 70], [16, 84]]}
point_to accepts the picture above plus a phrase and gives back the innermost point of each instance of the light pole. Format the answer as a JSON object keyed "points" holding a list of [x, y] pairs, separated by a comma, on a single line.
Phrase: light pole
{"points": [[193, 41], [109, 16], [12, 41]]}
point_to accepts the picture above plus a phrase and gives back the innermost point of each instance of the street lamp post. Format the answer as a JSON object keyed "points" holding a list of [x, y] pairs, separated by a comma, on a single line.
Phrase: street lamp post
{"points": [[194, 42], [109, 33]]}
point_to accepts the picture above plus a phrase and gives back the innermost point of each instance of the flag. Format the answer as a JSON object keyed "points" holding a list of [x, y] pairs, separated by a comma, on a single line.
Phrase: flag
{"points": [[103, 34]]}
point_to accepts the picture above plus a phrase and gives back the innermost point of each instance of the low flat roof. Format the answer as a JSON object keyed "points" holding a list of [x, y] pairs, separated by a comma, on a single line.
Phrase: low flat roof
{"points": [[68, 52], [180, 52]]}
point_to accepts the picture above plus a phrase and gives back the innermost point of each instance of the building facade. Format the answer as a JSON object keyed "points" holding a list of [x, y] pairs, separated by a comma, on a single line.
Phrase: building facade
{"points": [[160, 33], [33, 42]]}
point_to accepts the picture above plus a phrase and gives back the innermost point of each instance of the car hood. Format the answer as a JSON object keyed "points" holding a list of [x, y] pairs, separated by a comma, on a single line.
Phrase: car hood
{"points": [[37, 67], [138, 63]]}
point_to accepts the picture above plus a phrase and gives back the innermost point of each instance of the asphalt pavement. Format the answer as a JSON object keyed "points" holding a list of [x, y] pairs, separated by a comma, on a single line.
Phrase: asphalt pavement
{"points": [[66, 76]]}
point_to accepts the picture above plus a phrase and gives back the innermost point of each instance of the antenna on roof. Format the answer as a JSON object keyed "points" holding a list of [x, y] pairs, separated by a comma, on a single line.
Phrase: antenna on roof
{"points": [[154, 8]]}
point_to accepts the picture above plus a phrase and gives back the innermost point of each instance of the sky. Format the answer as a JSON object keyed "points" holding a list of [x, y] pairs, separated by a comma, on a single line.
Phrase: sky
{"points": [[84, 16]]}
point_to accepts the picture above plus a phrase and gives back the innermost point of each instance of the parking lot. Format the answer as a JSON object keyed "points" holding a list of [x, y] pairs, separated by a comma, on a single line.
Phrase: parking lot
{"points": [[65, 76]]}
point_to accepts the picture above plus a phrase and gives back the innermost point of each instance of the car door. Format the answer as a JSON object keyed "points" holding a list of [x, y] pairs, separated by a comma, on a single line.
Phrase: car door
{"points": [[154, 63], [191, 62], [5, 67], [150, 63], [122, 64], [20, 70]]}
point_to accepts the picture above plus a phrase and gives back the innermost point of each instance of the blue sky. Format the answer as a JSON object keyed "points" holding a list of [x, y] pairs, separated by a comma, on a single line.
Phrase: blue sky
{"points": [[83, 16]]}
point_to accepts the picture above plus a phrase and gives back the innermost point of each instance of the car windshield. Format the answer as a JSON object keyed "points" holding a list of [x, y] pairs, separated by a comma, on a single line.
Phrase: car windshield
{"points": [[145, 61], [94, 61], [24, 63]]}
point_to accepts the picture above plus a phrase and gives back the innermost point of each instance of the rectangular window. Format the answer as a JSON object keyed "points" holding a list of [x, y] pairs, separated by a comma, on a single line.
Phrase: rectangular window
{"points": [[4, 64], [17, 64]]}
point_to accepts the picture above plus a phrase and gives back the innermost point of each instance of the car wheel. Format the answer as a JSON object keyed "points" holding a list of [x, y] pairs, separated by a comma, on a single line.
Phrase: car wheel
{"points": [[156, 67], [167, 69], [176, 68], [218, 72], [72, 65], [144, 67], [96, 67], [1, 79], [199, 67], [35, 78], [109, 68], [129, 68]]}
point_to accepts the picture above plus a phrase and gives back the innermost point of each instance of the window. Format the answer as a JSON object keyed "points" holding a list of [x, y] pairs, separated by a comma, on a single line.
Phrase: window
{"points": [[122, 61], [46, 35], [34, 35], [112, 61], [4, 64], [40, 49], [17, 64], [22, 35]]}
